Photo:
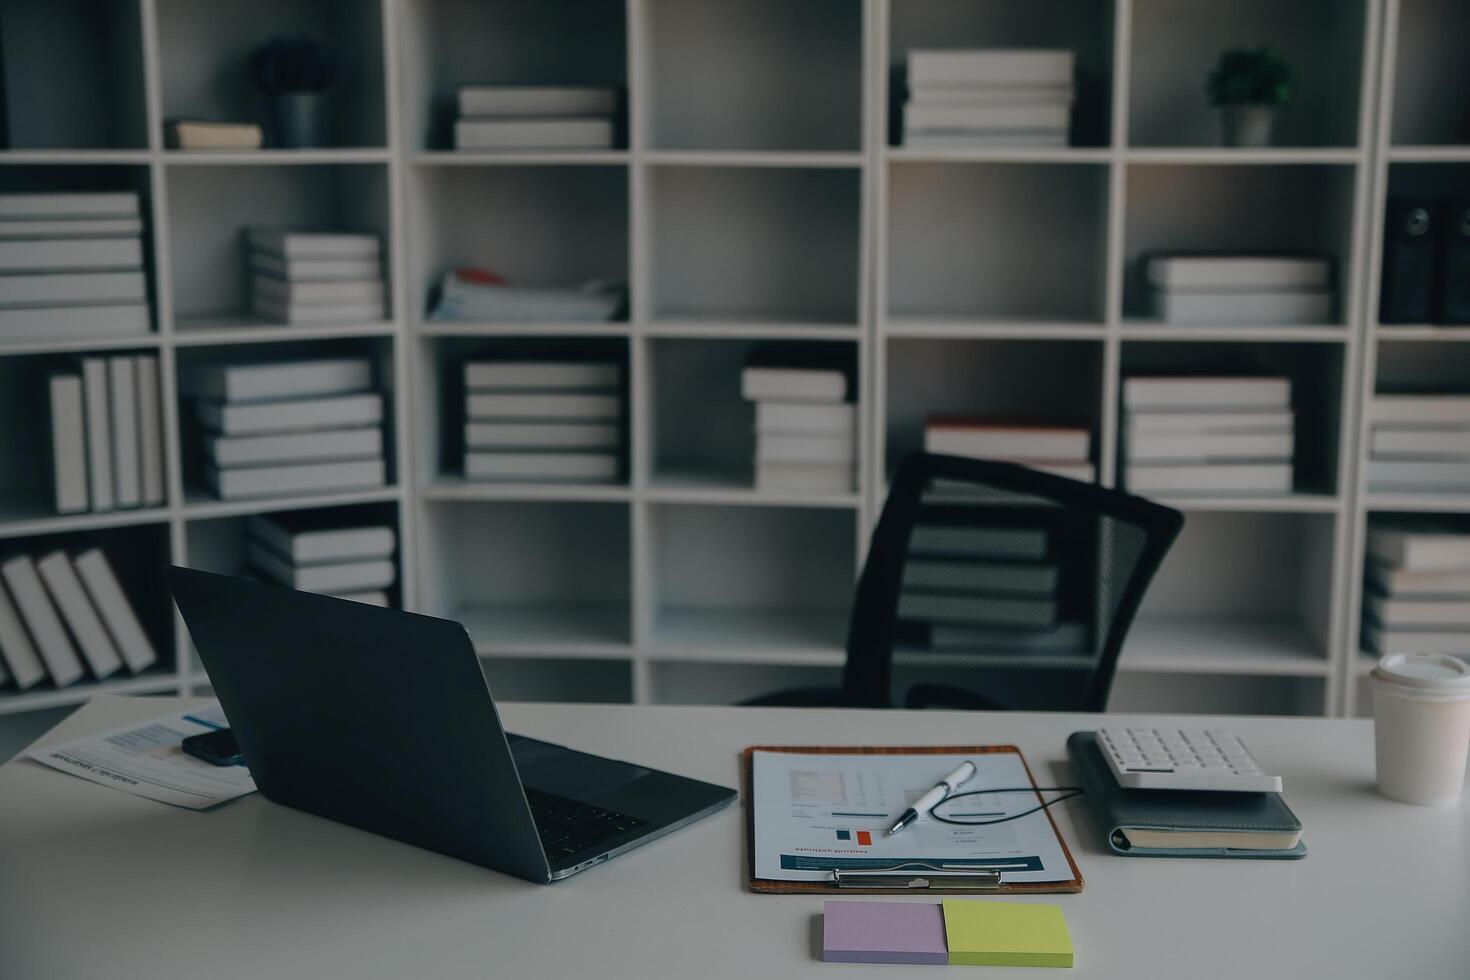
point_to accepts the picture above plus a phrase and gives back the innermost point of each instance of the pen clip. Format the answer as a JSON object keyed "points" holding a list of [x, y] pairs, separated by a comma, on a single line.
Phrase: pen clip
{"points": [[918, 874]]}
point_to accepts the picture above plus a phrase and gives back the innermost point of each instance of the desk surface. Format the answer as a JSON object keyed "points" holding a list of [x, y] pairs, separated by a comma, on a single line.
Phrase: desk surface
{"points": [[95, 882]]}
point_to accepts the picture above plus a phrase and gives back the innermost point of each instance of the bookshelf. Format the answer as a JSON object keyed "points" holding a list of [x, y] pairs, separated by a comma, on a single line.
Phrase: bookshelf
{"points": [[755, 194]]}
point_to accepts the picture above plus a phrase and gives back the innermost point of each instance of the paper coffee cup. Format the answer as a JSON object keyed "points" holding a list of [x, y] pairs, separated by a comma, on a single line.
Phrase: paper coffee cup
{"points": [[1421, 724]]}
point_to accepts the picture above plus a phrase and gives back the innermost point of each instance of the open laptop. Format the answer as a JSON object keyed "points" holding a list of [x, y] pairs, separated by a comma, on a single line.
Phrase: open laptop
{"points": [[382, 720]]}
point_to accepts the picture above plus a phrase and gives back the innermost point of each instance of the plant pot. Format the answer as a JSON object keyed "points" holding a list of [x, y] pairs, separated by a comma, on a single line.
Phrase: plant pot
{"points": [[1248, 125], [299, 120]]}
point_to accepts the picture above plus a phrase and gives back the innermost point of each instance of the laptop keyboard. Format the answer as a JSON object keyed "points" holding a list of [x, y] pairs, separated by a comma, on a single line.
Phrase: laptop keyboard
{"points": [[568, 827]]}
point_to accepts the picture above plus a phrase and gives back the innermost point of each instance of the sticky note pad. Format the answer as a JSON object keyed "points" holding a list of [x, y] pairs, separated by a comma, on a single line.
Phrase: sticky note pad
{"points": [[990, 933], [884, 932]]}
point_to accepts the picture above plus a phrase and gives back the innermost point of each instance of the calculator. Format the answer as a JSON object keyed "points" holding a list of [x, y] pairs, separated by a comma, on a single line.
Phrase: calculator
{"points": [[1144, 757]]}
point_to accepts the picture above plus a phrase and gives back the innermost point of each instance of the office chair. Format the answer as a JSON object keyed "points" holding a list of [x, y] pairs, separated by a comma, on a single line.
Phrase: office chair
{"points": [[1028, 580]]}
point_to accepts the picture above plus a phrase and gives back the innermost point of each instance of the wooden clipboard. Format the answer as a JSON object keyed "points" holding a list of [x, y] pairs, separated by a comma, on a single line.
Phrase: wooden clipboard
{"points": [[766, 885]]}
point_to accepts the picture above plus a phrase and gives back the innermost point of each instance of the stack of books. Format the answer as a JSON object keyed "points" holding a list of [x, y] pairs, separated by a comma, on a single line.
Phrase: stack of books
{"points": [[1239, 289], [205, 134], [337, 555], [1416, 598], [481, 296], [805, 418], [106, 434], [71, 265], [988, 97], [1060, 449], [535, 117], [543, 421], [1211, 436], [60, 605], [282, 427], [311, 277], [1419, 444]]}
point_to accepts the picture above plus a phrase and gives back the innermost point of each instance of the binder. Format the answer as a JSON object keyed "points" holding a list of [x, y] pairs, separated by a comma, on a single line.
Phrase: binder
{"points": [[906, 878], [1453, 302], [1407, 291]]}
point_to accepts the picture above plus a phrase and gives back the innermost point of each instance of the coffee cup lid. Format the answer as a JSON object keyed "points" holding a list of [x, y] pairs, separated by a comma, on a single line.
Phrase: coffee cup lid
{"points": [[1425, 672]]}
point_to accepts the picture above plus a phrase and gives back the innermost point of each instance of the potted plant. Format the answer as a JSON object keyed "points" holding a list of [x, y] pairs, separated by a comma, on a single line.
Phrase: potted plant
{"points": [[293, 72], [1248, 85]]}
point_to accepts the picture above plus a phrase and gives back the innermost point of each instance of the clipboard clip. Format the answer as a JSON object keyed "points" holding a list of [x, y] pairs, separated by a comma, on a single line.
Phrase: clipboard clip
{"points": [[918, 875]]}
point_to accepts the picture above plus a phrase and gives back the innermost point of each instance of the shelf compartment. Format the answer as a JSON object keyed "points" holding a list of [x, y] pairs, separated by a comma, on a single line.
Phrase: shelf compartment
{"points": [[754, 244], [204, 56], [1175, 45], [1221, 646], [757, 75], [1430, 62], [709, 682], [997, 241], [577, 680], [1418, 368]]}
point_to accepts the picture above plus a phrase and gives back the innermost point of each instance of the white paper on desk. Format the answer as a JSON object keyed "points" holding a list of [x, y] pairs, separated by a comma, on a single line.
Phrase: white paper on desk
{"points": [[811, 811], [146, 759]]}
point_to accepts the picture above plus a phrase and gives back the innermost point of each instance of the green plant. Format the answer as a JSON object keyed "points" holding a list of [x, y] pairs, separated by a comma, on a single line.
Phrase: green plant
{"points": [[1249, 76], [292, 64]]}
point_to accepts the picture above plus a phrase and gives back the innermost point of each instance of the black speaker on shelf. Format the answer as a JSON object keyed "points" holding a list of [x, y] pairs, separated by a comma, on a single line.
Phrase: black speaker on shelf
{"points": [[1410, 231], [1453, 305]]}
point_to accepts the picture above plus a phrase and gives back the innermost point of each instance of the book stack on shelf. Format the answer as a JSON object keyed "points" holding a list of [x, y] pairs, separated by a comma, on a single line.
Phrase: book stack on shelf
{"points": [[1239, 289], [346, 558], [302, 277], [205, 134], [1212, 436], [482, 296], [1059, 449], [283, 427], [71, 265], [543, 421], [987, 98], [1416, 598], [535, 117], [62, 609], [806, 422], [107, 435], [1419, 444]]}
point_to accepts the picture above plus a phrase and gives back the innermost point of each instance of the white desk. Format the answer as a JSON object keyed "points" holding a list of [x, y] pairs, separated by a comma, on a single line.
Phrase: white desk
{"points": [[97, 883]]}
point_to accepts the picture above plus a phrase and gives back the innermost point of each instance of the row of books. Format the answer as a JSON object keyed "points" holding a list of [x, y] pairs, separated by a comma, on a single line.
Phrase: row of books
{"points": [[1419, 443], [1416, 596], [805, 418], [535, 117], [1064, 450], [314, 277], [543, 421], [289, 426], [336, 554], [1241, 290], [106, 434], [71, 265], [1426, 258], [61, 610], [960, 98]]}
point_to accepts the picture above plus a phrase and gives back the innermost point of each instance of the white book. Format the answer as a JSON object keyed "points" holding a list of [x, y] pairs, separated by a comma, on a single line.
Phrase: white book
{"points": [[539, 435], [316, 270], [117, 320], [290, 294], [1209, 479], [16, 648], [116, 611], [1208, 422], [992, 611], [962, 541], [562, 405], [307, 538], [969, 437], [72, 289], [1420, 547], [546, 133], [543, 466], [271, 481], [776, 448], [814, 417], [980, 576], [352, 576], [289, 244], [68, 444], [95, 404], [280, 379], [989, 66], [953, 140], [1203, 447], [537, 100], [1061, 93], [1246, 273], [150, 429], [120, 204], [1386, 642], [71, 228], [127, 467], [293, 415], [334, 312], [41, 621], [1021, 116], [45, 254], [1241, 308], [782, 477], [1065, 638], [1397, 611], [1426, 409], [79, 614], [290, 447], [1172, 393], [196, 134], [793, 384], [1420, 442], [1393, 581], [508, 375], [1419, 475]]}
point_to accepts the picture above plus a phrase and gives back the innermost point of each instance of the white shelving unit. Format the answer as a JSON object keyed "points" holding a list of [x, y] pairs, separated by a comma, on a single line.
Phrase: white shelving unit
{"points": [[754, 196]]}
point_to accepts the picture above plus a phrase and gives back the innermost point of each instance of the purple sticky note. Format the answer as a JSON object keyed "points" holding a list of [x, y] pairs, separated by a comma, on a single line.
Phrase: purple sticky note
{"points": [[884, 932]]}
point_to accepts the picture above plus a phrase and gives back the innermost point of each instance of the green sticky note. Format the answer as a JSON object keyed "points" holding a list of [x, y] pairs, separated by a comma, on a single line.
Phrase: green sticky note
{"points": [[991, 933]]}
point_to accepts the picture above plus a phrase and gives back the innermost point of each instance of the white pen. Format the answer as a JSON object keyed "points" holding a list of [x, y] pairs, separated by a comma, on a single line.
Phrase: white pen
{"points": [[931, 799]]}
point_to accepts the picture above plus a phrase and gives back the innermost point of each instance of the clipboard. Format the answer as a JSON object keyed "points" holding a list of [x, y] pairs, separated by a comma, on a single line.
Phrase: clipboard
{"points": [[936, 879]]}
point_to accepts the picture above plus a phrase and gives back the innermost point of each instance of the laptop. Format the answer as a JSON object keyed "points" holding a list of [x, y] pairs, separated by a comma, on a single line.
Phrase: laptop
{"points": [[382, 720]]}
